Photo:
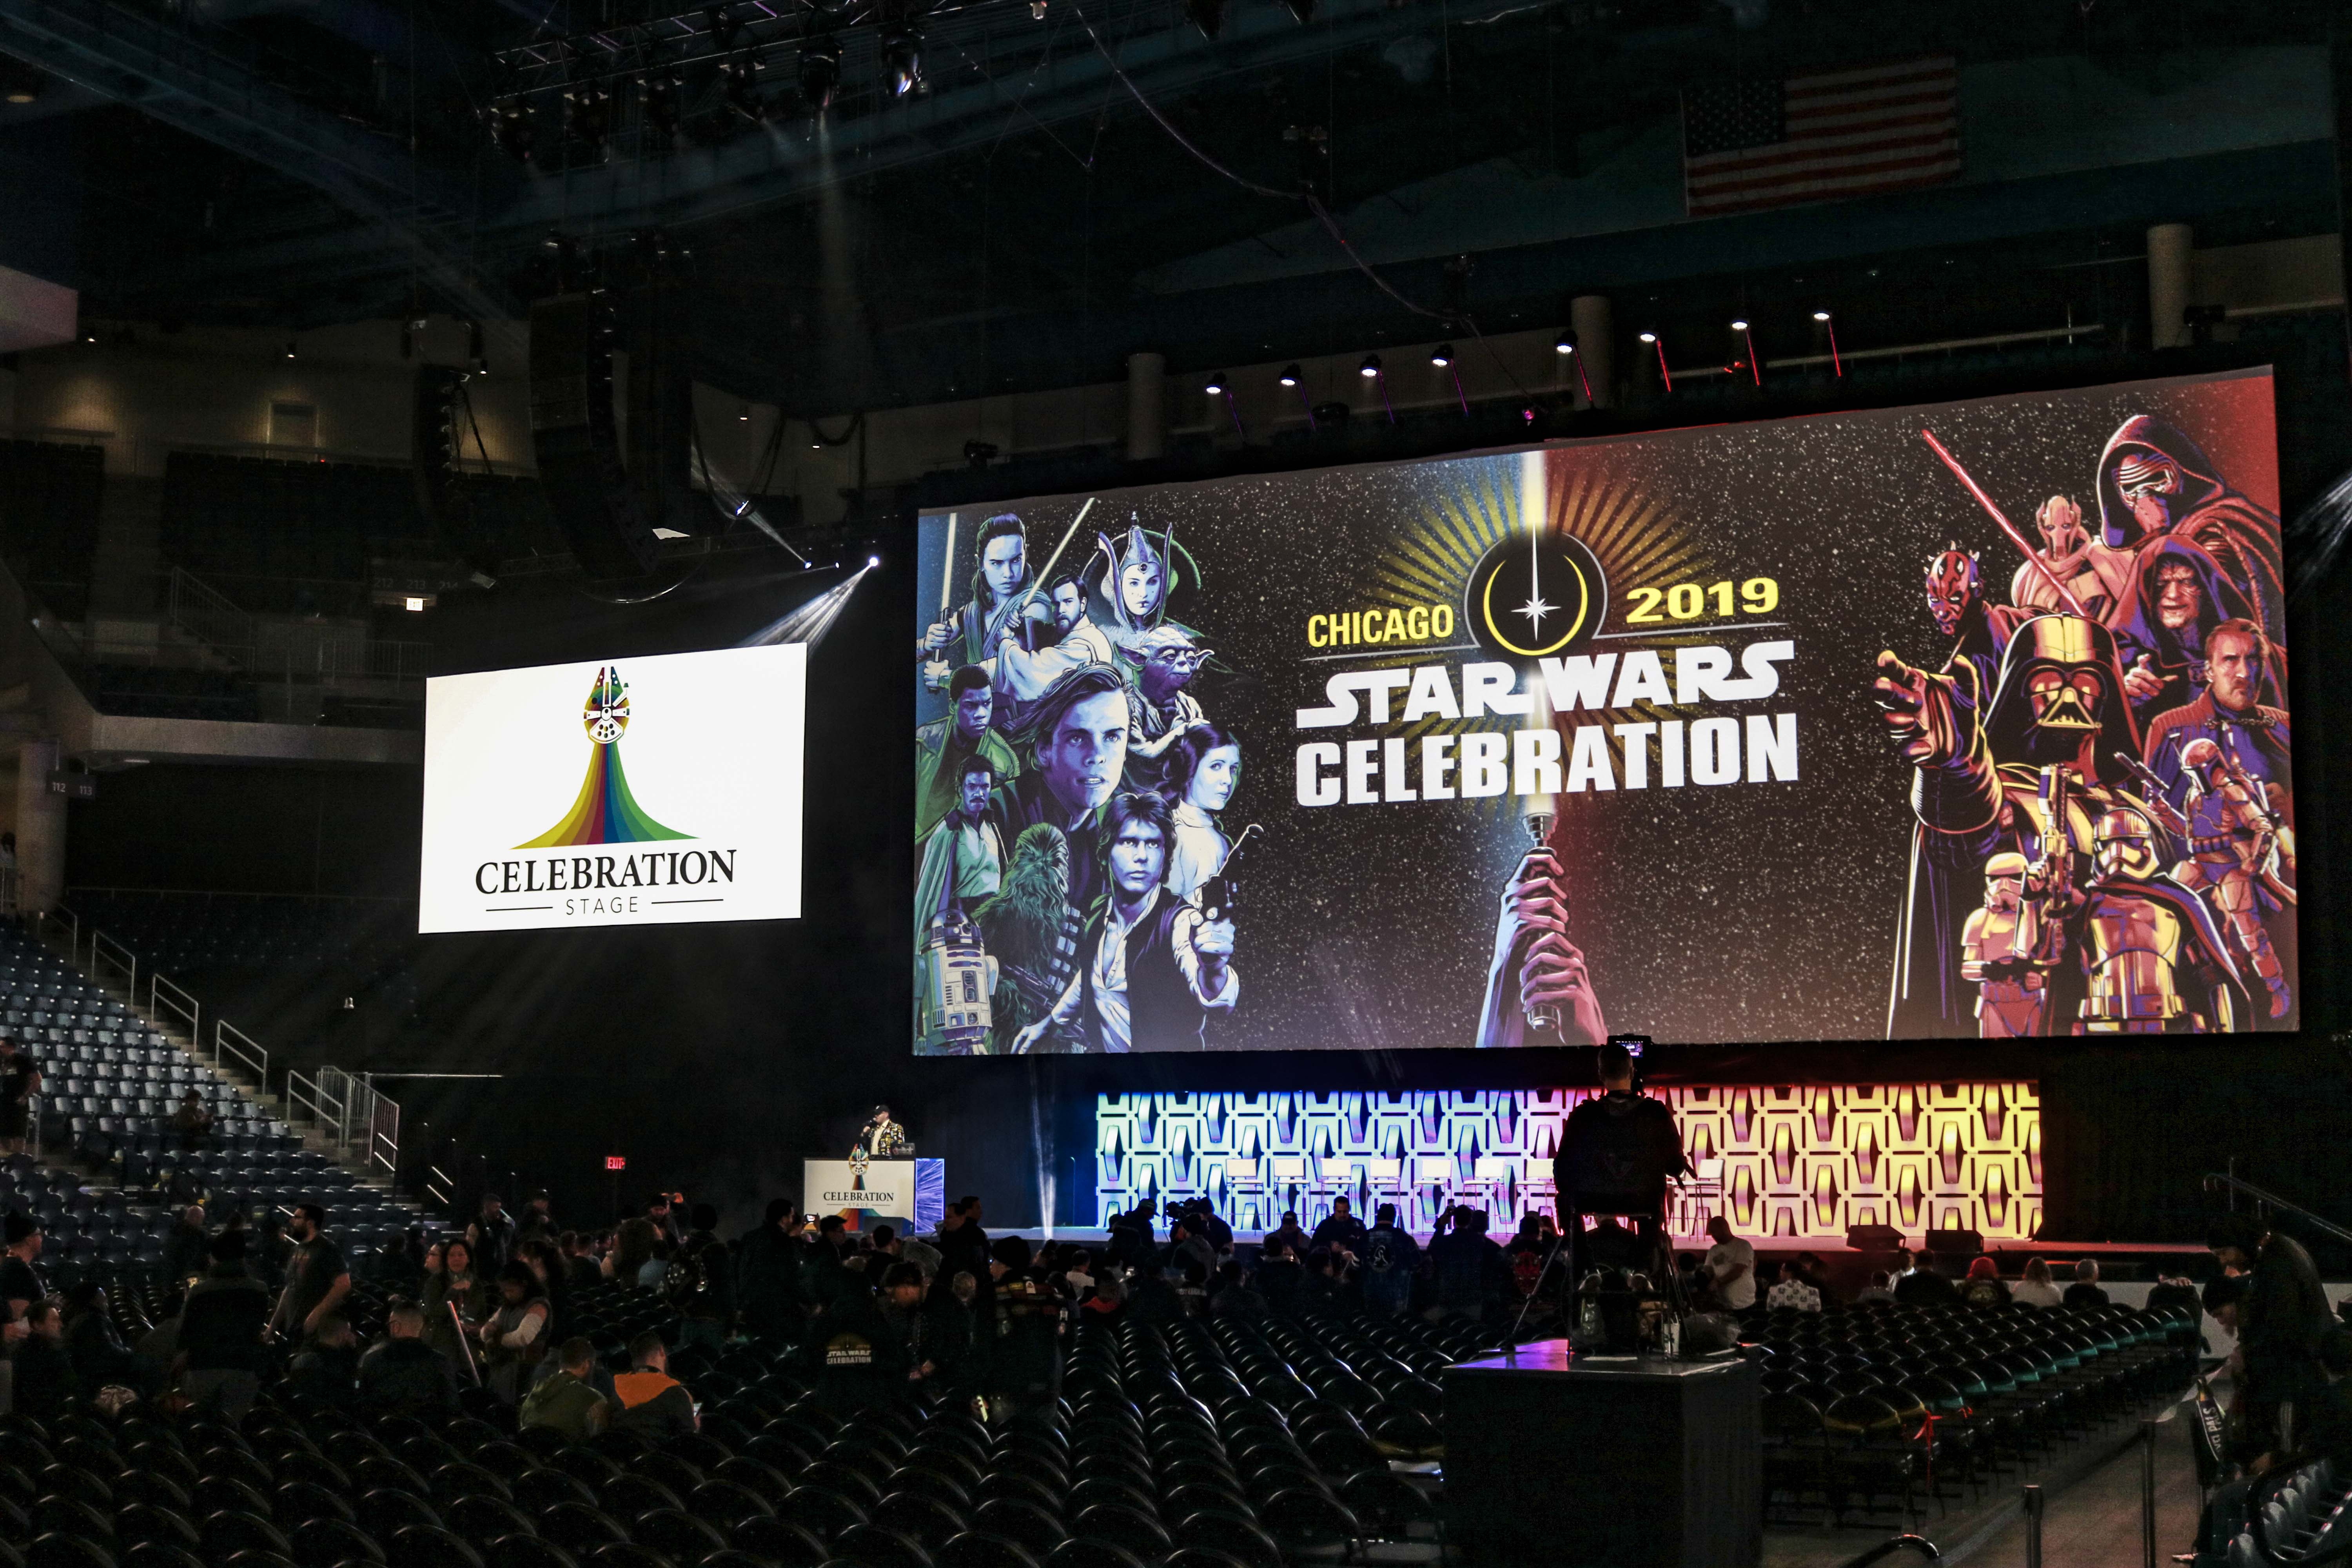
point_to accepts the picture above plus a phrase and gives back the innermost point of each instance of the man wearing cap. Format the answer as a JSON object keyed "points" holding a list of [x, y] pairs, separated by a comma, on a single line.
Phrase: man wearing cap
{"points": [[21, 1283]]}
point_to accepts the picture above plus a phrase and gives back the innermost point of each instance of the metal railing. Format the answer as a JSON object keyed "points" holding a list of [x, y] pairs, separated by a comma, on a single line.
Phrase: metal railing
{"points": [[179, 1003], [350, 1116], [105, 951], [228, 1040], [1886, 1549], [202, 612], [2217, 1180], [381, 659]]}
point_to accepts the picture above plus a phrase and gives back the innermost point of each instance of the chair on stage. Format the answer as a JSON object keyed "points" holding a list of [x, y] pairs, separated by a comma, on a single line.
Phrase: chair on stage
{"points": [[1539, 1188], [1383, 1182], [1336, 1178], [1438, 1173], [1245, 1183], [1490, 1178], [1699, 1196], [1288, 1175]]}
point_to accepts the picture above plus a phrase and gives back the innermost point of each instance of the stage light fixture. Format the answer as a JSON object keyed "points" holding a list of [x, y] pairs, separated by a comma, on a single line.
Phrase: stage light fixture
{"points": [[588, 117], [22, 83], [1566, 342], [289, 348], [1215, 386], [742, 91], [1754, 369], [820, 70], [1649, 337], [510, 129], [1659, 344], [1442, 356], [1290, 376], [902, 58], [1739, 326], [1821, 315], [661, 105], [1370, 367], [874, 560], [1837, 365]]}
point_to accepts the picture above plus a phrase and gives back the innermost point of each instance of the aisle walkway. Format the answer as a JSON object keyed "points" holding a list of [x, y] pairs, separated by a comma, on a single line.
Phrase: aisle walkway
{"points": [[2091, 1517]]}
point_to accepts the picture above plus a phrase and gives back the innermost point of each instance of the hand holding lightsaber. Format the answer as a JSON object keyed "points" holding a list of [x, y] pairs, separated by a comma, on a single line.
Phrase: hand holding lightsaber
{"points": [[2007, 527]]}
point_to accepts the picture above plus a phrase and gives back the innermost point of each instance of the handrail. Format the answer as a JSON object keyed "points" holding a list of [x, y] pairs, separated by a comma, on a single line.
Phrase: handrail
{"points": [[2217, 1180], [228, 1036], [1884, 1549], [127, 961], [61, 916], [179, 1002]]}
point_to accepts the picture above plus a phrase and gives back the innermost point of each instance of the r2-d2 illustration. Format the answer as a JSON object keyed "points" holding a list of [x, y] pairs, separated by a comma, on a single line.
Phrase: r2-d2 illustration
{"points": [[958, 978]]}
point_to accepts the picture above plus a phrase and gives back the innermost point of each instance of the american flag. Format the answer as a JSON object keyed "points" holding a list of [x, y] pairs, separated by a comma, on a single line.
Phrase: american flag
{"points": [[1858, 131]]}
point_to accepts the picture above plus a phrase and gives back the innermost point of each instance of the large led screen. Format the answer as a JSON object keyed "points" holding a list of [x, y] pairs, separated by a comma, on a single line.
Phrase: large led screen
{"points": [[617, 792], [1946, 721]]}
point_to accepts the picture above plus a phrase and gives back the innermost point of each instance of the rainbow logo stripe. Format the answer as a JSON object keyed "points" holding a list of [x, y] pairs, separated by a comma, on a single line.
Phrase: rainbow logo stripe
{"points": [[604, 812]]}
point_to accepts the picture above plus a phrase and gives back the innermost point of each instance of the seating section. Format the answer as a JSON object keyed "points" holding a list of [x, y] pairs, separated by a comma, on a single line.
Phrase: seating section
{"points": [[280, 536], [178, 932], [161, 691], [111, 1082], [2306, 1518], [1189, 1444], [1865, 1409]]}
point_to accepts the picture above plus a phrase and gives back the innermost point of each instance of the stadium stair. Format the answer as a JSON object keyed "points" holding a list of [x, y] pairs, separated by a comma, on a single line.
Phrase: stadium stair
{"points": [[114, 1072]]}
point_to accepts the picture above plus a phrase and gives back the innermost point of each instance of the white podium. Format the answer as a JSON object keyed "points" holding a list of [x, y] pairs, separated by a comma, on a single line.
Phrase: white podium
{"points": [[887, 1187]]}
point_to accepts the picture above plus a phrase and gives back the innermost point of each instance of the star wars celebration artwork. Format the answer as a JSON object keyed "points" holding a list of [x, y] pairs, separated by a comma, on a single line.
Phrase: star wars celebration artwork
{"points": [[1956, 721]]}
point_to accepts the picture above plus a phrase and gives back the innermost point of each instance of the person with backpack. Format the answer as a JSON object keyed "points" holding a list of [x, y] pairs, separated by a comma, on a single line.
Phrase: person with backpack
{"points": [[1391, 1258]]}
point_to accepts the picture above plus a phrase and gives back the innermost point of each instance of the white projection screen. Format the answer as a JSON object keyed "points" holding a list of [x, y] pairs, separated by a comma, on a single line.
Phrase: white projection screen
{"points": [[655, 791]]}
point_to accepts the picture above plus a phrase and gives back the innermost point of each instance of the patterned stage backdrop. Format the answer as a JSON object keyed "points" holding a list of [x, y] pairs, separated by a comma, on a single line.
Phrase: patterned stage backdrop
{"points": [[1797, 1162]]}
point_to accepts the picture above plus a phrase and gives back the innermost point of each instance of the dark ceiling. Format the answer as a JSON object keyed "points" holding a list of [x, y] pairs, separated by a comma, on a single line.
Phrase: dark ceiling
{"points": [[298, 161]]}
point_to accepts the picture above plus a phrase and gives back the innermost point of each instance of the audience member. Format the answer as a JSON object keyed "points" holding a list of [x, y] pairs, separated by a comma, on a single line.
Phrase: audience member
{"points": [[767, 1274], [566, 1400], [1880, 1288], [99, 1356], [1730, 1267], [1467, 1272], [402, 1375], [958, 1346], [1279, 1277], [824, 1275], [317, 1280], [538, 1217], [1234, 1297], [2036, 1289], [633, 1248], [2085, 1291], [192, 1121], [453, 1297], [1341, 1231], [581, 1269], [2282, 1318], [327, 1367], [906, 1327], [494, 1234], [1793, 1289], [187, 1251], [1024, 1361], [1924, 1286], [1984, 1287], [222, 1324], [20, 1081], [650, 1400], [515, 1336], [44, 1380], [910, 1248], [1289, 1234], [1386, 1267], [1187, 1244], [22, 1282], [1219, 1234]]}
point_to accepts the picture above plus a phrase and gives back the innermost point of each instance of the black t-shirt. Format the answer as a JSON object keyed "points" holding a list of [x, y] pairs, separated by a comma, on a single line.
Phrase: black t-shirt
{"points": [[310, 1273], [20, 1281], [1619, 1146]]}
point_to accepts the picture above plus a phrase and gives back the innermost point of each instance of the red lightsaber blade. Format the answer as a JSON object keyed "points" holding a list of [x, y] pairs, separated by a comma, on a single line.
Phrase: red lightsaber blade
{"points": [[2007, 527]]}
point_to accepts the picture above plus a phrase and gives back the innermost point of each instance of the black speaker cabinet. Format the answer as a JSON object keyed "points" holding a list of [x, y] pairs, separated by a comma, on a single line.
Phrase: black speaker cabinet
{"points": [[577, 439]]}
